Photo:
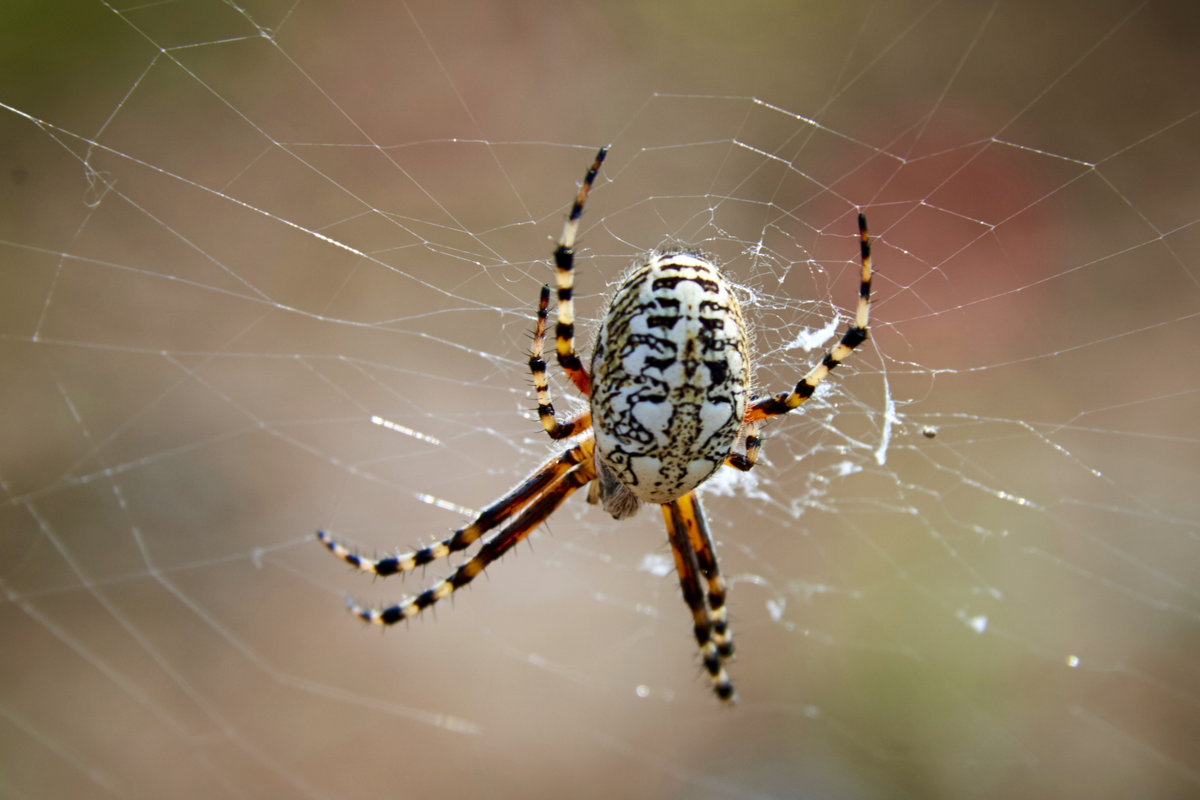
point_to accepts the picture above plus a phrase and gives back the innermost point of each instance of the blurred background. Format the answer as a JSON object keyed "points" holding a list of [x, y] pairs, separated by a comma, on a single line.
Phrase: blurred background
{"points": [[272, 267]]}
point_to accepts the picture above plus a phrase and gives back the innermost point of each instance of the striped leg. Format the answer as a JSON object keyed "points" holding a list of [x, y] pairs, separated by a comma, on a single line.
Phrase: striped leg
{"points": [[494, 548], [537, 365], [564, 262], [695, 558], [491, 516], [855, 335], [746, 461], [706, 557]]}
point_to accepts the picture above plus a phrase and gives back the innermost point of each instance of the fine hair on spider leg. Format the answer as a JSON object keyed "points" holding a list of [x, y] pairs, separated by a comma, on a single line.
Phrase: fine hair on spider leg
{"points": [[668, 403]]}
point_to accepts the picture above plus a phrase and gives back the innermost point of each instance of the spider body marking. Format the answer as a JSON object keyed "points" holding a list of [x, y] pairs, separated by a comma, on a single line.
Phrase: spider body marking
{"points": [[670, 375], [668, 393]]}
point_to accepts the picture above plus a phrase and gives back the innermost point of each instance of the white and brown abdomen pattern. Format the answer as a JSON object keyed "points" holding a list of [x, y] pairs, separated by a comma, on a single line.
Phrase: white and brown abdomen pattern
{"points": [[670, 375]]}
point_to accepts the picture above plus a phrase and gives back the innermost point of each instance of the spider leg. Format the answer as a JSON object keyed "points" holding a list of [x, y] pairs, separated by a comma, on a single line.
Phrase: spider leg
{"points": [[706, 557], [537, 365], [695, 557], [564, 262], [855, 335], [746, 460], [489, 518], [533, 515]]}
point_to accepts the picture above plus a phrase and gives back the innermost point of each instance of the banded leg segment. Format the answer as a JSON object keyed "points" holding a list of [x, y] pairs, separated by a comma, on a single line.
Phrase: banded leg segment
{"points": [[462, 538], [855, 335], [494, 548], [706, 557], [541, 383], [564, 262], [694, 558], [745, 461]]}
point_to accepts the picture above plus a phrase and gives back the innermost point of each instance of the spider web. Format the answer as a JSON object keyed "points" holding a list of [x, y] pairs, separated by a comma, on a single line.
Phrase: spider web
{"points": [[271, 267]]}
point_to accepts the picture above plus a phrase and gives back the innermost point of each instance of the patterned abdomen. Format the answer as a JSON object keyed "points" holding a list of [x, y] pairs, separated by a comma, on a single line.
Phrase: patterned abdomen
{"points": [[670, 374]]}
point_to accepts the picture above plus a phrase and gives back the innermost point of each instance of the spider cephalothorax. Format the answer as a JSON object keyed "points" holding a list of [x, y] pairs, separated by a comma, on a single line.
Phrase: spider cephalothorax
{"points": [[668, 390]]}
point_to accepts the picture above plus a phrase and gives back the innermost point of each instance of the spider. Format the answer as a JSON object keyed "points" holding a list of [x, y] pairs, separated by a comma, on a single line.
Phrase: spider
{"points": [[669, 399]]}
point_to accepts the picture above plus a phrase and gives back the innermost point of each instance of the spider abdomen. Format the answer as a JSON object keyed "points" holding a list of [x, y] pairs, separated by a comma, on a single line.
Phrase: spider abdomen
{"points": [[670, 375]]}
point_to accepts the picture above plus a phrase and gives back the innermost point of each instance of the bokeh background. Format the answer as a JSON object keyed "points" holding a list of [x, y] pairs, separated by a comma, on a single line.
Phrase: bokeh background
{"points": [[232, 235]]}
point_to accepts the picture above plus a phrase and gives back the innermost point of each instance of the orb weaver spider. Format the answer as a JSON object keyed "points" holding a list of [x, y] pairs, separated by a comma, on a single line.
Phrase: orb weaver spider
{"points": [[668, 390]]}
